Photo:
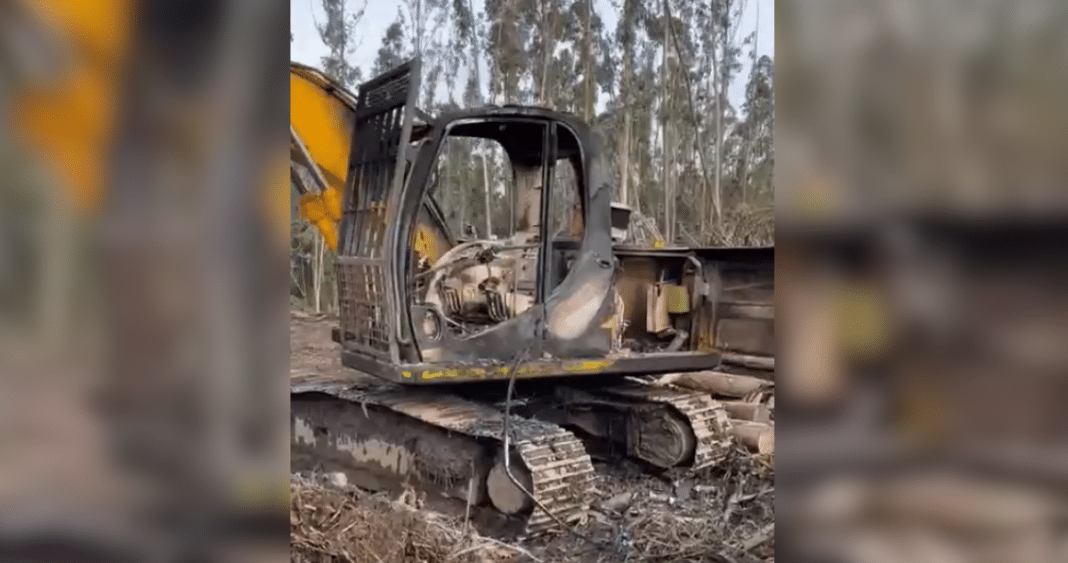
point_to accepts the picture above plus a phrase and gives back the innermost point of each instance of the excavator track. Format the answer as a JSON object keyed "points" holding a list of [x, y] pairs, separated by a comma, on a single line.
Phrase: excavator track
{"points": [[705, 416], [663, 426], [440, 442]]}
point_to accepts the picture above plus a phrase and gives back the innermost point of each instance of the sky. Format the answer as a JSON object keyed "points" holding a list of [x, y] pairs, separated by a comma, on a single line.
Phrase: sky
{"points": [[308, 49]]}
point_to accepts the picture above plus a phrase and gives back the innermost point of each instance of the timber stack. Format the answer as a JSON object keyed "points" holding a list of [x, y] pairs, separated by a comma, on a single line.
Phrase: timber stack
{"points": [[745, 382]]}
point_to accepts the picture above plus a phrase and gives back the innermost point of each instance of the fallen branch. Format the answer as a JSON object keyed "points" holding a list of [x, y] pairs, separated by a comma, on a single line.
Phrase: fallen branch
{"points": [[763, 535], [756, 362], [752, 412], [718, 383]]}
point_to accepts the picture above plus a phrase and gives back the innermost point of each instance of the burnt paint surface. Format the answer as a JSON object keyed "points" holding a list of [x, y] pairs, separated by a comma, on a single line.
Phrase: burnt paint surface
{"points": [[568, 334], [570, 324]]}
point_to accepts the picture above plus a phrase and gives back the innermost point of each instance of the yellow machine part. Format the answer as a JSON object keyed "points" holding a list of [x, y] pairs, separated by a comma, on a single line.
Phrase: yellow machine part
{"points": [[324, 211], [69, 120], [428, 241], [323, 114], [677, 298], [323, 118]]}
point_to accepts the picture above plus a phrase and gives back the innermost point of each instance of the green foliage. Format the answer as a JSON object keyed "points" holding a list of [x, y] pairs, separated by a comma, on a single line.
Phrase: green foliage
{"points": [[391, 54], [337, 34]]}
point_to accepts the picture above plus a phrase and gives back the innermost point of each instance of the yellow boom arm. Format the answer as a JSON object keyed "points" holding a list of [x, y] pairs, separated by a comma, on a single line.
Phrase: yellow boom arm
{"points": [[321, 117]]}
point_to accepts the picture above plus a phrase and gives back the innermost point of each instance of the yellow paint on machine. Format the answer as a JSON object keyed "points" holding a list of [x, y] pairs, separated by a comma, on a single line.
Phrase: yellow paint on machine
{"points": [[588, 366], [323, 121], [581, 366], [324, 211], [427, 241]]}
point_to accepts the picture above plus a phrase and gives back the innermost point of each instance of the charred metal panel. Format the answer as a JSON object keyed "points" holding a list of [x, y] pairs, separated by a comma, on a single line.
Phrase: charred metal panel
{"points": [[504, 341], [569, 330], [572, 321], [744, 312], [731, 293], [367, 288], [580, 309], [636, 276]]}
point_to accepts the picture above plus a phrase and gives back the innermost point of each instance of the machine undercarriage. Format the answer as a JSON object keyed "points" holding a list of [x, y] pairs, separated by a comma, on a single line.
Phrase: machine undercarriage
{"points": [[385, 436]]}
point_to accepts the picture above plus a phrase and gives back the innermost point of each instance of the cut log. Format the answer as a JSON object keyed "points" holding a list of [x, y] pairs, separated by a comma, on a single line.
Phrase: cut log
{"points": [[750, 433], [766, 363], [753, 412], [766, 441], [718, 383]]}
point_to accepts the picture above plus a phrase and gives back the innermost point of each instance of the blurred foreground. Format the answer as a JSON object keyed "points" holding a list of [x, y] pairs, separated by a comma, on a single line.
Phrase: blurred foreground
{"points": [[922, 196], [143, 280]]}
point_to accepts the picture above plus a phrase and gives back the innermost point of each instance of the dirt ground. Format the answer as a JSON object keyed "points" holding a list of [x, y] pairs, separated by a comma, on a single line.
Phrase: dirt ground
{"points": [[310, 346], [722, 514]]}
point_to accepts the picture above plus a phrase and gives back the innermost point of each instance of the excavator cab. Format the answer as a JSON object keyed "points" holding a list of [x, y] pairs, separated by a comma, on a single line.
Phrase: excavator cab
{"points": [[540, 281]]}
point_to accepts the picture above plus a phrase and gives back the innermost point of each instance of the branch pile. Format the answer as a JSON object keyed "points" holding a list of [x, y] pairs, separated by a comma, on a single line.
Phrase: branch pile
{"points": [[327, 525], [720, 514]]}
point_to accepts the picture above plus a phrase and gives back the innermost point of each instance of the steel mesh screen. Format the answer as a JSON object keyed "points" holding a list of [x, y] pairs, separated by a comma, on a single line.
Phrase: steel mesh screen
{"points": [[383, 116]]}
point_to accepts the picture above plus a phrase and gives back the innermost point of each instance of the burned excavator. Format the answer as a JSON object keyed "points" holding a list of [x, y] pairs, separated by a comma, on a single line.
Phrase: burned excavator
{"points": [[492, 368]]}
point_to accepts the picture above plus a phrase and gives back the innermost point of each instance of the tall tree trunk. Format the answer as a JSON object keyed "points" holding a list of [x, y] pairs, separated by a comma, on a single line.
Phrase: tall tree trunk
{"points": [[707, 208], [717, 207], [485, 178], [418, 28], [624, 141], [663, 130], [587, 55], [317, 276], [449, 166], [751, 131], [673, 183], [702, 209], [548, 20], [475, 51]]}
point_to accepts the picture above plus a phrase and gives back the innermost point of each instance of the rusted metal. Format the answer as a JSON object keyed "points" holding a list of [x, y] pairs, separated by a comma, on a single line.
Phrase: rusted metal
{"points": [[663, 426]]}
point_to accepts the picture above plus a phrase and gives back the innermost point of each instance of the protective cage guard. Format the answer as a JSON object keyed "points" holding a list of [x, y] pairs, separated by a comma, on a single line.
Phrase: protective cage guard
{"points": [[367, 291]]}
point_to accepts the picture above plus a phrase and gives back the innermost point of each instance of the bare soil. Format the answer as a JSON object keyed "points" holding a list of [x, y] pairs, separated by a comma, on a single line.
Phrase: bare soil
{"points": [[310, 347], [722, 514]]}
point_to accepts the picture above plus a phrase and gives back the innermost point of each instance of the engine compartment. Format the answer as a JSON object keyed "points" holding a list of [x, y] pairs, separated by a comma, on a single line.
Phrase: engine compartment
{"points": [[483, 282]]}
